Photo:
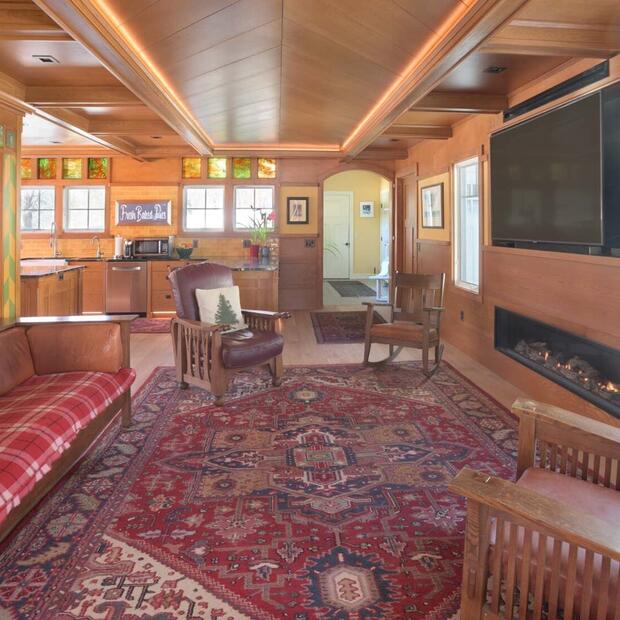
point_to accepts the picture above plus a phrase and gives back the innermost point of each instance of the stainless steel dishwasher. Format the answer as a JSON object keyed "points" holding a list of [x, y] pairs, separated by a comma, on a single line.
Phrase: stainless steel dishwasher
{"points": [[126, 286]]}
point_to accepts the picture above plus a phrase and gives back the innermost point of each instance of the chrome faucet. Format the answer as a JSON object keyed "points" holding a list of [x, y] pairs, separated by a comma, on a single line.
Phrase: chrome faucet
{"points": [[54, 240], [96, 240]]}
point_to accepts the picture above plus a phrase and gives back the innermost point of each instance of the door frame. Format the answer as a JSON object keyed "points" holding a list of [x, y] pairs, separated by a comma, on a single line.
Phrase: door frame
{"points": [[349, 195], [386, 173]]}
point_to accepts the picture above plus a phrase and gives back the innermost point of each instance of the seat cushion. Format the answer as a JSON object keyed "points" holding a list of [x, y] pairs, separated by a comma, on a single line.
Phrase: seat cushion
{"points": [[402, 332], [41, 417], [15, 362], [600, 502], [245, 348]]}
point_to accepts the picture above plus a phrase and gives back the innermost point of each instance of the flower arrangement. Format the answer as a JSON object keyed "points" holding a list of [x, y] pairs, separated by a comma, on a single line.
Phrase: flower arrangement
{"points": [[261, 225]]}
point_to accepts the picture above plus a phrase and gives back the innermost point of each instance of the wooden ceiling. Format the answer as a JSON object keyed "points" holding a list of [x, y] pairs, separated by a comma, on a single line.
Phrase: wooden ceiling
{"points": [[342, 78]]}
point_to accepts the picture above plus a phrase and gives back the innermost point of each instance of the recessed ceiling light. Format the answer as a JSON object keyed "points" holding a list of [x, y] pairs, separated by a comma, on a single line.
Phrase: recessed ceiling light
{"points": [[46, 58], [495, 69]]}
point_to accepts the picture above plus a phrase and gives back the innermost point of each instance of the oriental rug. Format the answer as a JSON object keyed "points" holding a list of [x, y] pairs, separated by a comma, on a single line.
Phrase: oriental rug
{"points": [[324, 498], [150, 326], [341, 327]]}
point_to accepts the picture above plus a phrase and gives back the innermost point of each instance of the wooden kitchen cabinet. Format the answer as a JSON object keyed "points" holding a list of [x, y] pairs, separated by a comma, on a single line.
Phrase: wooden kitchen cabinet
{"points": [[51, 294], [93, 286], [160, 291], [258, 289]]}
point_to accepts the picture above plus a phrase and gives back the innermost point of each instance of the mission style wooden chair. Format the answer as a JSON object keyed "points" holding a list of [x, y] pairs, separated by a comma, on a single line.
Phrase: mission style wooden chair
{"points": [[205, 356], [416, 324], [547, 546]]}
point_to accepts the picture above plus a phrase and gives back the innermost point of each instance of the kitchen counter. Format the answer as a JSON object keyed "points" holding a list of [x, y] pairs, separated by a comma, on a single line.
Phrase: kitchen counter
{"points": [[46, 270], [236, 263]]}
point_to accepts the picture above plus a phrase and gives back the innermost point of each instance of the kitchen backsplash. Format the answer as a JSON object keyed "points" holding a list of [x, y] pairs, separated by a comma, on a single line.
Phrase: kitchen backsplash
{"points": [[211, 246]]}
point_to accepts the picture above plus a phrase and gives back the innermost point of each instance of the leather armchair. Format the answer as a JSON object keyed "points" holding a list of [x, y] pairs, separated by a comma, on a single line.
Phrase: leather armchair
{"points": [[204, 355]]}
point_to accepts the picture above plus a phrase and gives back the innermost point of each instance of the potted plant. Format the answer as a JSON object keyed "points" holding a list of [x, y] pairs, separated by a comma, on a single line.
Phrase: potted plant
{"points": [[259, 230]]}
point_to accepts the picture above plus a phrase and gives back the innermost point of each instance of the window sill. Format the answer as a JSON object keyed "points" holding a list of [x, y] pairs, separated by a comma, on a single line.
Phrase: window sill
{"points": [[471, 292]]}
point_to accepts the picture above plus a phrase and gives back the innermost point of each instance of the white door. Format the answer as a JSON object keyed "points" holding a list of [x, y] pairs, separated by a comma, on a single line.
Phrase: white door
{"points": [[385, 227], [337, 234]]}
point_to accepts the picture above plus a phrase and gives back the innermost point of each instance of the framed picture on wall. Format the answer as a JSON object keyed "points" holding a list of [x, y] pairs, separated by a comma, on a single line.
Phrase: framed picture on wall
{"points": [[297, 210], [367, 209], [432, 206]]}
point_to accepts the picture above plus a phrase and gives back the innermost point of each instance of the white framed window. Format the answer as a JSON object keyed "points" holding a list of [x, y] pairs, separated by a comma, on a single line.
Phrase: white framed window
{"points": [[252, 202], [37, 208], [84, 209], [203, 207], [467, 225]]}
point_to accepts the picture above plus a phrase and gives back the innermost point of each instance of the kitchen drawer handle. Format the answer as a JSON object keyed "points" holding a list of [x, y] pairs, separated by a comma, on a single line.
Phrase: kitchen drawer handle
{"points": [[126, 268], [168, 296]]}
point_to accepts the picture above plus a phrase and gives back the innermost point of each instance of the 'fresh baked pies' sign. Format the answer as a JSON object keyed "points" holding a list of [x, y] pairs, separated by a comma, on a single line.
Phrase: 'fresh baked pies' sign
{"points": [[143, 212]]}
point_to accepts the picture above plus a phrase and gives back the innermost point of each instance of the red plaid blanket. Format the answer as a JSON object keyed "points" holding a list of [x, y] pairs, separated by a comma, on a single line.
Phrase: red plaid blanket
{"points": [[40, 418]]}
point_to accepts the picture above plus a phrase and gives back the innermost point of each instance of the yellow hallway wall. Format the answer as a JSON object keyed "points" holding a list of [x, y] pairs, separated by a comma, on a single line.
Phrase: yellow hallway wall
{"points": [[365, 186]]}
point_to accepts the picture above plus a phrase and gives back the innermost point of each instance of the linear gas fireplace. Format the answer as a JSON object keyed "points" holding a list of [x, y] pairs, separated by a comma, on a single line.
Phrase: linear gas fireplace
{"points": [[587, 368]]}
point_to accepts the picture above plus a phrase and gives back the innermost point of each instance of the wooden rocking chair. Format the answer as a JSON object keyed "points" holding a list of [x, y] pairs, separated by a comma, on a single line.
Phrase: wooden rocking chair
{"points": [[417, 322]]}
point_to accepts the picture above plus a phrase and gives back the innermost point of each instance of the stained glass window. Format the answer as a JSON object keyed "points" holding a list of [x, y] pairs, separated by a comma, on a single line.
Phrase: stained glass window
{"points": [[216, 168], [97, 167], [242, 168], [46, 168], [266, 168], [11, 140], [26, 168], [191, 167], [71, 168], [1, 135]]}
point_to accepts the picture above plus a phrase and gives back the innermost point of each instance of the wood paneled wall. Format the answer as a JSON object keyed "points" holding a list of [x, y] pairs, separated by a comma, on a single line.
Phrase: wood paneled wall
{"points": [[580, 294]]}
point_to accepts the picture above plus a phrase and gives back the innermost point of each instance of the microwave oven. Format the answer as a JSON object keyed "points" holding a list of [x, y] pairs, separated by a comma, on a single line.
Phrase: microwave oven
{"points": [[145, 248]]}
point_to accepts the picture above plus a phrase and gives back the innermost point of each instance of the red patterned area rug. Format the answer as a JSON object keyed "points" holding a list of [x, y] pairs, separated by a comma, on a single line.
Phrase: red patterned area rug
{"points": [[341, 327], [150, 326], [325, 498]]}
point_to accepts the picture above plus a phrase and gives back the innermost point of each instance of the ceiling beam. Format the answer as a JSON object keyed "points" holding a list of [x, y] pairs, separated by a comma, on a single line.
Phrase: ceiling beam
{"points": [[466, 103], [80, 96], [108, 127], [544, 38], [379, 154], [91, 23], [423, 132], [28, 24], [469, 25], [66, 119]]}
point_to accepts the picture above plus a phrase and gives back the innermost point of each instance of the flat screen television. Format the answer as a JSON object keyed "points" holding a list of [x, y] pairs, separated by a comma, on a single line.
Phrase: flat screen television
{"points": [[546, 177]]}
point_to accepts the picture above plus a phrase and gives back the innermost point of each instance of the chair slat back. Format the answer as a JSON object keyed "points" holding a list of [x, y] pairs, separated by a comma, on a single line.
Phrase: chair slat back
{"points": [[416, 292]]}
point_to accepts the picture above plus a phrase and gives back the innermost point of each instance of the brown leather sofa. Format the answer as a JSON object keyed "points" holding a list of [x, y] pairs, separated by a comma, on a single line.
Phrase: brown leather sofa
{"points": [[62, 382]]}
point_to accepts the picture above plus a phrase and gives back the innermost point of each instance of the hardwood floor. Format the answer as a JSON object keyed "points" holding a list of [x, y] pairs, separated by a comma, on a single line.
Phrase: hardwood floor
{"points": [[301, 349]]}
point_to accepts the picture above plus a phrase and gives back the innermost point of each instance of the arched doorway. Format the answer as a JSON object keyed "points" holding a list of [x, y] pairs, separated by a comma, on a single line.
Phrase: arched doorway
{"points": [[356, 215]]}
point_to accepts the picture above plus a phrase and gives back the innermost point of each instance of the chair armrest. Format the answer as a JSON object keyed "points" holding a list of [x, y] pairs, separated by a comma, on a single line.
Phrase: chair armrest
{"points": [[377, 303], [198, 325], [562, 429], [538, 511], [265, 321], [569, 421], [266, 314]]}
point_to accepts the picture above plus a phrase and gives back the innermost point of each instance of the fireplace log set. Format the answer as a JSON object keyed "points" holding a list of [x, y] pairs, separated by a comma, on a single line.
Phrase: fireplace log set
{"points": [[575, 369]]}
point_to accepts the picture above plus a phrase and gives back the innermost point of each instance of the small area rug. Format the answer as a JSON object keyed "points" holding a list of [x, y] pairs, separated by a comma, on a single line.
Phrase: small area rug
{"points": [[341, 327], [323, 499], [150, 326], [351, 288]]}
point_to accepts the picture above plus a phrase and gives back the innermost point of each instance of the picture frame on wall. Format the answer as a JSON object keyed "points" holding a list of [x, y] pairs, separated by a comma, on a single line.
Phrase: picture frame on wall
{"points": [[297, 210], [367, 208], [432, 206]]}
